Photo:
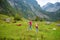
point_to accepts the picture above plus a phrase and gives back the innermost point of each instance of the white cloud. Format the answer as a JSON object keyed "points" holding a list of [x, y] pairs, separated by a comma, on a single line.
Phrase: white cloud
{"points": [[43, 2]]}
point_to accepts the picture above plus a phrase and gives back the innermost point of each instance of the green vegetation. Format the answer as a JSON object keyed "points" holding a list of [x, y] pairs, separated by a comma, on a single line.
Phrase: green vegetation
{"points": [[6, 8], [11, 31], [17, 17], [39, 19]]}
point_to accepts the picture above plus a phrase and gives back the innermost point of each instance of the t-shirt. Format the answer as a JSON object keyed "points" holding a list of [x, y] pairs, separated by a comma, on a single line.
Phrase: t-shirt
{"points": [[30, 23]]}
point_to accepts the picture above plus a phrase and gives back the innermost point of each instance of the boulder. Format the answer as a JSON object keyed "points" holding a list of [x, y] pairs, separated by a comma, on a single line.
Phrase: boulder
{"points": [[58, 24], [54, 28], [8, 20], [48, 23]]}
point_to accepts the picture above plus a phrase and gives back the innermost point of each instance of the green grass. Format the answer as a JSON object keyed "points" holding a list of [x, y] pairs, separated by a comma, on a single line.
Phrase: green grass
{"points": [[10, 31]]}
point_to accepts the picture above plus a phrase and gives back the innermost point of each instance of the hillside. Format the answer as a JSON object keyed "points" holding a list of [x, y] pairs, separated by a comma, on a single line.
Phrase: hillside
{"points": [[5, 8], [27, 9], [11, 31], [58, 14]]}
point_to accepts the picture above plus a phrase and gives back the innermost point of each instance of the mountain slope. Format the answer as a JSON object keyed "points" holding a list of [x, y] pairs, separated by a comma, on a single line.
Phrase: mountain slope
{"points": [[57, 14], [51, 7], [29, 8], [5, 8], [25, 8]]}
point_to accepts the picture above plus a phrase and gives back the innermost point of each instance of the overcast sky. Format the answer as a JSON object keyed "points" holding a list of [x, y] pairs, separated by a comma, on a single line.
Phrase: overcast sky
{"points": [[43, 2]]}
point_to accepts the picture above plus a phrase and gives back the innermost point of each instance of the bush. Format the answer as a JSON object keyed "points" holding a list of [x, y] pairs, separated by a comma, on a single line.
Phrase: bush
{"points": [[38, 19], [17, 17]]}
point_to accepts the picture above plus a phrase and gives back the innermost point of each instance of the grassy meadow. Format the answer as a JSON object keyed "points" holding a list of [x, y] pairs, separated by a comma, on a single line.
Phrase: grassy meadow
{"points": [[11, 31]]}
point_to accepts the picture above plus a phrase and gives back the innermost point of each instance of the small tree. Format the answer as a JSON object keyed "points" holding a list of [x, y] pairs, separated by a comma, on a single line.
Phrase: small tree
{"points": [[17, 17], [38, 19]]}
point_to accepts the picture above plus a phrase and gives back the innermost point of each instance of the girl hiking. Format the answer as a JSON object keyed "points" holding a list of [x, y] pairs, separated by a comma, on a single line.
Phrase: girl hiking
{"points": [[36, 26], [30, 24]]}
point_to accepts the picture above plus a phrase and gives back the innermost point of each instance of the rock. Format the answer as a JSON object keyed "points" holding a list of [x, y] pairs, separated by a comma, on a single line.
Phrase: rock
{"points": [[54, 28], [58, 24], [48, 23], [8, 20]]}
